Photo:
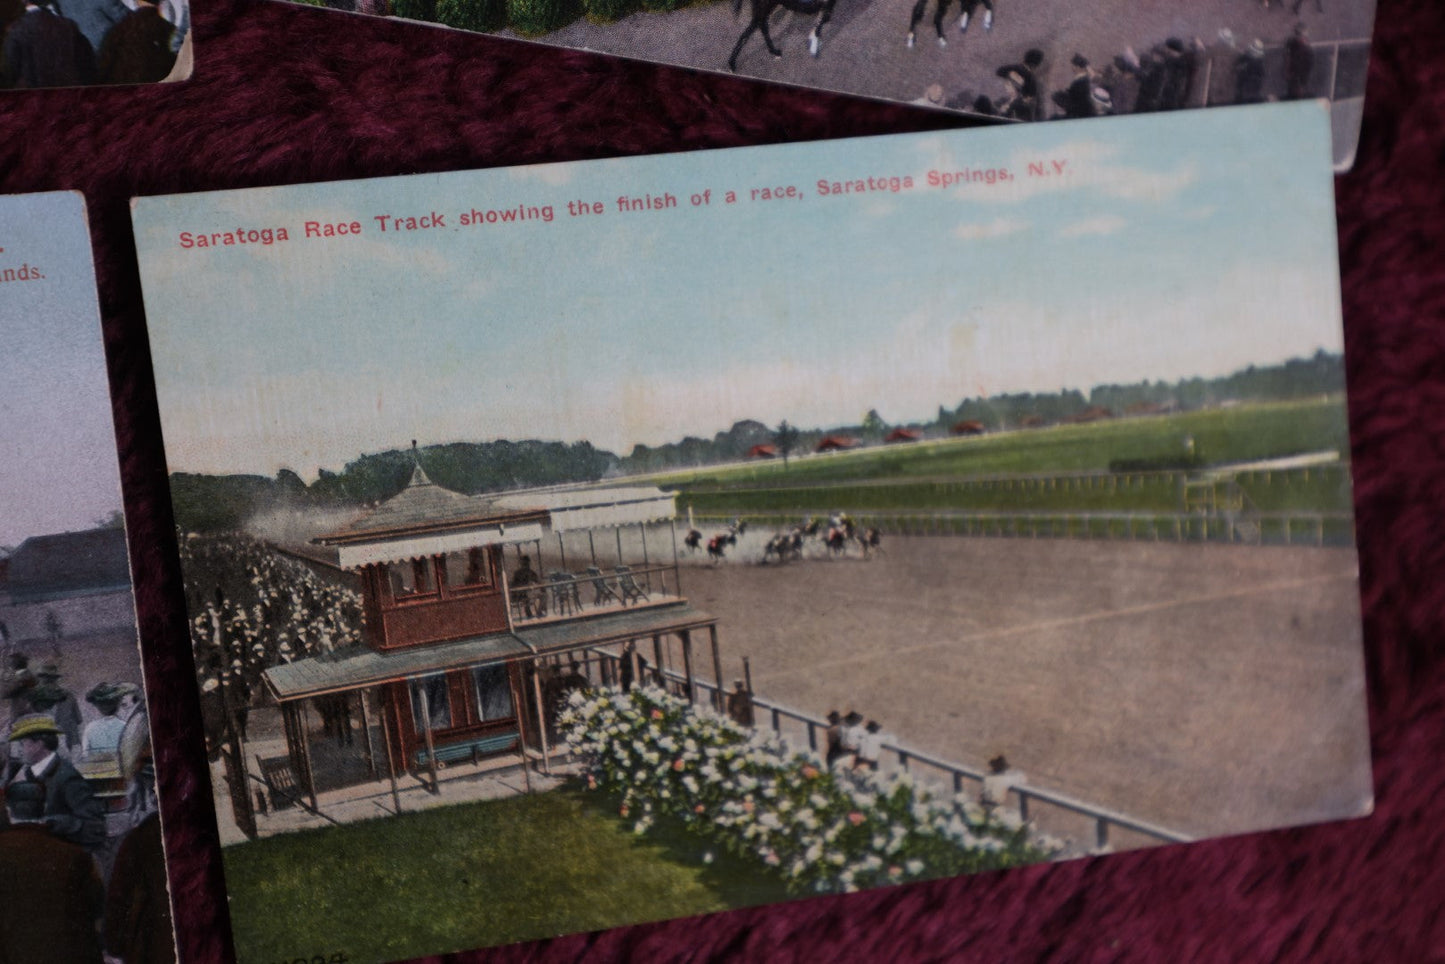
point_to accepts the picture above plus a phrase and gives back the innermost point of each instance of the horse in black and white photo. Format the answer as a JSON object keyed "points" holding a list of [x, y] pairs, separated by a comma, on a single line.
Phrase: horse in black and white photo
{"points": [[762, 10]]}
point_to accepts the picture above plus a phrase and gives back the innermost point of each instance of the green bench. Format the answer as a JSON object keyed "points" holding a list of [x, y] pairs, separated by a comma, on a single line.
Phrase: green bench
{"points": [[473, 749]]}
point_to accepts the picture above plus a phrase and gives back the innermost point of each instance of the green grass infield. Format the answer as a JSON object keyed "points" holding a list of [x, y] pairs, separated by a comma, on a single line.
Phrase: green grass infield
{"points": [[471, 875]]}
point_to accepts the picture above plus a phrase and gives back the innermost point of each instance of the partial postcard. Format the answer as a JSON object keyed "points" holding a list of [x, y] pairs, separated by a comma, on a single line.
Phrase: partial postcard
{"points": [[82, 869], [83, 43], [1005, 59], [575, 545]]}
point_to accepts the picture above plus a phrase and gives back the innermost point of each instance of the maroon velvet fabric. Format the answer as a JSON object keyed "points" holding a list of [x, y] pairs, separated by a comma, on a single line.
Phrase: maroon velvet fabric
{"points": [[284, 94]]}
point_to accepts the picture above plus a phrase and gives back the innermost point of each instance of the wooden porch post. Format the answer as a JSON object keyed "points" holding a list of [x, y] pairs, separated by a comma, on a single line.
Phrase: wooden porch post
{"points": [[507, 599], [618, 532], [431, 750], [562, 553], [521, 724], [659, 666], [591, 547], [366, 731], [687, 665], [676, 573], [390, 760], [541, 721], [717, 673], [306, 756]]}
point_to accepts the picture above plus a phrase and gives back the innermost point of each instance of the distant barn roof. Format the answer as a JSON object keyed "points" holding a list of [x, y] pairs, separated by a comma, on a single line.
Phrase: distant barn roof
{"points": [[69, 564], [829, 443]]}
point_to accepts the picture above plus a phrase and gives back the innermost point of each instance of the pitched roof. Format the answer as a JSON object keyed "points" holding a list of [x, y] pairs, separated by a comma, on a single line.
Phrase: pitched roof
{"points": [[69, 564], [424, 506]]}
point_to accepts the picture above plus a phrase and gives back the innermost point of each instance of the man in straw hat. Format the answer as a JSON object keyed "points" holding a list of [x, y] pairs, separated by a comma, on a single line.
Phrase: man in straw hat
{"points": [[71, 810], [48, 887]]}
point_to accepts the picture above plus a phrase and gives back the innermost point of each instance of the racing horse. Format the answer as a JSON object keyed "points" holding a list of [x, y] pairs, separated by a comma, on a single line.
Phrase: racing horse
{"points": [[762, 10], [784, 545], [966, 10], [717, 546]]}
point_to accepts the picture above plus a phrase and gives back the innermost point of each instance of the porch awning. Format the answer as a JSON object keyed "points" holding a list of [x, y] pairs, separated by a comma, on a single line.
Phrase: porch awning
{"points": [[359, 667], [613, 628]]}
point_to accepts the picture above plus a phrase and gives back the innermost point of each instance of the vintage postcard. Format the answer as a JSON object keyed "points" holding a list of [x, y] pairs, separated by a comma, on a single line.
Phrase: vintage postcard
{"points": [[82, 872], [81, 43], [1006, 59], [581, 544]]}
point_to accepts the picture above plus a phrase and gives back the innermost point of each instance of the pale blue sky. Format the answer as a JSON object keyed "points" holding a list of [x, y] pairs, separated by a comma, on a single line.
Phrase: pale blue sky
{"points": [[1176, 245], [58, 469]]}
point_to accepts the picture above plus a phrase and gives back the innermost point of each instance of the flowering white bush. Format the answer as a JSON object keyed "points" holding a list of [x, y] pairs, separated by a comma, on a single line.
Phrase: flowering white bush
{"points": [[748, 794]]}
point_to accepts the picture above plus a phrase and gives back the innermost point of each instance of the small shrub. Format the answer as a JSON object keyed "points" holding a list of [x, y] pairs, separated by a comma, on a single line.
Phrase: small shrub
{"points": [[476, 15], [532, 18], [608, 11], [663, 6], [414, 10]]}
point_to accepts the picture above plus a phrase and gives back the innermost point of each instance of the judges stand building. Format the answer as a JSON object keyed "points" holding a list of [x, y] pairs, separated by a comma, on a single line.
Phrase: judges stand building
{"points": [[467, 655]]}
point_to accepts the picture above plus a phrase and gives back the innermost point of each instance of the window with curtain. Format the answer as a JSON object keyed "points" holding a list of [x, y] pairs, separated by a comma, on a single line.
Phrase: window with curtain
{"points": [[436, 705], [494, 693]]}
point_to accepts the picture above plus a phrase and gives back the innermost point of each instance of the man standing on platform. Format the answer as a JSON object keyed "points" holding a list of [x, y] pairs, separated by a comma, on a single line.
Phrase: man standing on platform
{"points": [[740, 704]]}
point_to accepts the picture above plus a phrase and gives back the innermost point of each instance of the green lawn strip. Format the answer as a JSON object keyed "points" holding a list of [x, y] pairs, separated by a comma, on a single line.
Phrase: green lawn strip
{"points": [[1325, 490], [1236, 434], [472, 875]]}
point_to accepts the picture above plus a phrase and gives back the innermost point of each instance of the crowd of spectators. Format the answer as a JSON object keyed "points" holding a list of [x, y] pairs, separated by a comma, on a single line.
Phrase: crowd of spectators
{"points": [[1169, 75], [69, 43]]}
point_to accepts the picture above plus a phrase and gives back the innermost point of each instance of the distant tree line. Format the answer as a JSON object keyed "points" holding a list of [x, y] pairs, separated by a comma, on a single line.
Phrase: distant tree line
{"points": [[727, 446], [1321, 374], [205, 503]]}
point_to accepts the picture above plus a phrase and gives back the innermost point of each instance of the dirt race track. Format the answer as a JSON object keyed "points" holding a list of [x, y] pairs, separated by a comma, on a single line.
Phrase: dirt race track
{"points": [[1209, 689]]}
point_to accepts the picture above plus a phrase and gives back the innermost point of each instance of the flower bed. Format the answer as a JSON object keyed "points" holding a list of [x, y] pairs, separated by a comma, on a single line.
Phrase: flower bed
{"points": [[750, 795]]}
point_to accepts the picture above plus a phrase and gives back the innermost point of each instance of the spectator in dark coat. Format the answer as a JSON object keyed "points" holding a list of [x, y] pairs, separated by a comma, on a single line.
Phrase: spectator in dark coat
{"points": [[49, 889], [43, 49], [57, 702], [1299, 64], [1022, 79], [137, 905], [72, 811], [1077, 100], [740, 704], [95, 18], [1249, 75], [138, 49], [629, 666]]}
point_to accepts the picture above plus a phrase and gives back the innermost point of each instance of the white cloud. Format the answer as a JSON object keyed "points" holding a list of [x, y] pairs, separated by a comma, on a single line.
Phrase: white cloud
{"points": [[1103, 225], [996, 228]]}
